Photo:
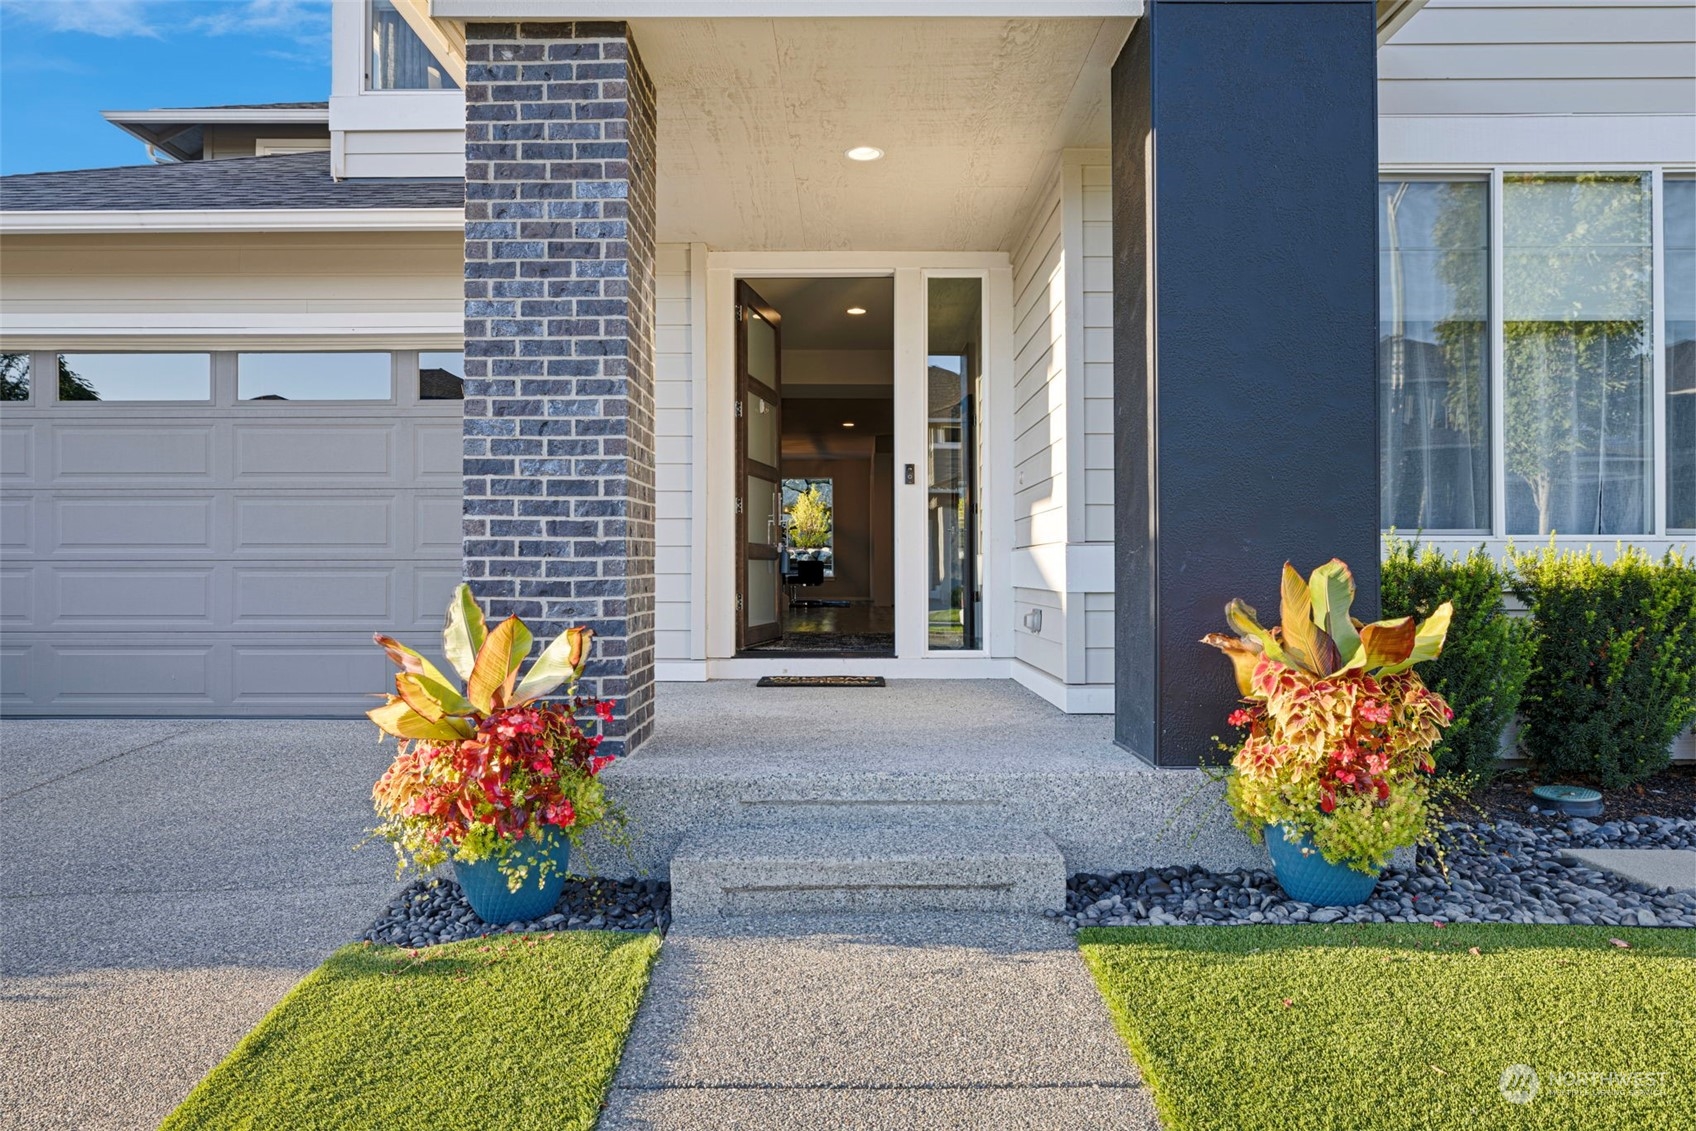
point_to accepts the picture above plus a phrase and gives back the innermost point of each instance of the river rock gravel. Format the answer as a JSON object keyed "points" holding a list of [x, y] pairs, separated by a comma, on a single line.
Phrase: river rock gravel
{"points": [[1501, 872], [433, 910]]}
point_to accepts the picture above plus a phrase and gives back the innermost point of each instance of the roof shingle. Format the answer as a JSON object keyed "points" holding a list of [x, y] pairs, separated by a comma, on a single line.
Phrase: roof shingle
{"points": [[295, 180]]}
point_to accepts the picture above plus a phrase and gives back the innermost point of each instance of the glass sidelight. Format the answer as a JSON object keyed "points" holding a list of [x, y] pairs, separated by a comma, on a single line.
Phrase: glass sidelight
{"points": [[954, 372]]}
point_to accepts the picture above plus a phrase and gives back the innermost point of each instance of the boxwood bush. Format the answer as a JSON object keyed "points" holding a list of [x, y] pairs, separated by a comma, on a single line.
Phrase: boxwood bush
{"points": [[1487, 659], [1614, 679]]}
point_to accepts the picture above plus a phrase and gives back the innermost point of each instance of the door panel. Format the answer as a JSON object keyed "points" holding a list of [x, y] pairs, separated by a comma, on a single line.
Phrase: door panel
{"points": [[759, 432]]}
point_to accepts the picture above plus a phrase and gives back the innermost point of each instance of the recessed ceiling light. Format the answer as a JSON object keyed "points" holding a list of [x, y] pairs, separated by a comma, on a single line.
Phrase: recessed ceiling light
{"points": [[856, 310], [847, 424], [864, 153]]}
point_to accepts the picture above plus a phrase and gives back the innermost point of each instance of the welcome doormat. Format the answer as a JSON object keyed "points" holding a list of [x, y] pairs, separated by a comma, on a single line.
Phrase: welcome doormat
{"points": [[821, 681]]}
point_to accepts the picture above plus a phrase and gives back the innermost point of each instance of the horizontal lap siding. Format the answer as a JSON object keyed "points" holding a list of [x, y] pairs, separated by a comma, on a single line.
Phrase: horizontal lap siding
{"points": [[1507, 57], [1097, 390], [1039, 422], [673, 456]]}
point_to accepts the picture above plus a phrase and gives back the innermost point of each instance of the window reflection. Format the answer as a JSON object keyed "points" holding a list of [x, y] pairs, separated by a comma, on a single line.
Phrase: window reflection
{"points": [[135, 376], [955, 353], [313, 377], [441, 376]]}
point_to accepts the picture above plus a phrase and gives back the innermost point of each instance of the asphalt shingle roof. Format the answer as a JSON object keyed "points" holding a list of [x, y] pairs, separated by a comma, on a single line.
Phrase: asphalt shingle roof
{"points": [[295, 180]]}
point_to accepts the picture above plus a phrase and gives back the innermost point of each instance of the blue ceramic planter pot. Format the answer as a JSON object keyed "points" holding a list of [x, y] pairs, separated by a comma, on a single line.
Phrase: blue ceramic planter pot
{"points": [[485, 887], [1305, 874]]}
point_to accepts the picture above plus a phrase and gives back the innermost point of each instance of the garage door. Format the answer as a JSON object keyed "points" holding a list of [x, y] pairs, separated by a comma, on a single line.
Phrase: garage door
{"points": [[220, 533]]}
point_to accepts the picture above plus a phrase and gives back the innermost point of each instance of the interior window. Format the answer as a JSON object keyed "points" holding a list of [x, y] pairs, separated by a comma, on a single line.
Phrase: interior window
{"points": [[441, 376], [313, 377], [135, 377], [399, 59]]}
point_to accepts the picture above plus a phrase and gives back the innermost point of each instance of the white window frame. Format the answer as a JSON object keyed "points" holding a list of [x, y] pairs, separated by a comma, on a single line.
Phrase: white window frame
{"points": [[1658, 537]]}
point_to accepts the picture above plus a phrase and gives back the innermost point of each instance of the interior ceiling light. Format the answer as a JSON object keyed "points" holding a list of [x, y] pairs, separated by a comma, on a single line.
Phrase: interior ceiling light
{"points": [[847, 424], [856, 310], [864, 153]]}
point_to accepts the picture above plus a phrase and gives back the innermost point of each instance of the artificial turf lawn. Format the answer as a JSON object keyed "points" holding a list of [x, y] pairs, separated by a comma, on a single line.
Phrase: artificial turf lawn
{"points": [[1385, 1027], [513, 1031]]}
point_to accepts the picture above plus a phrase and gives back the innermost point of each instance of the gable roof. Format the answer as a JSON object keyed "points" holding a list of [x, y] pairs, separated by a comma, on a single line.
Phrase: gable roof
{"points": [[286, 181]]}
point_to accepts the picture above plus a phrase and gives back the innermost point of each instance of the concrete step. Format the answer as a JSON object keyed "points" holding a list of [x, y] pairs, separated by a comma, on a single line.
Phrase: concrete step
{"points": [[879, 868]]}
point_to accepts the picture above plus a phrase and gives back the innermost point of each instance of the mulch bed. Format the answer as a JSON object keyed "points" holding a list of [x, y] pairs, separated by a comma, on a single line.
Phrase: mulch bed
{"points": [[1670, 793]]}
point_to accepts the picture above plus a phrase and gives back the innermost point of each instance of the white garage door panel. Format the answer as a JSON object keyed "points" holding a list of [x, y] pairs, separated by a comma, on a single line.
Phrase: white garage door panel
{"points": [[334, 453], [130, 453], [284, 674], [264, 597], [14, 674], [316, 521], [221, 559], [17, 459], [136, 522], [17, 596], [17, 526], [119, 671], [136, 596]]}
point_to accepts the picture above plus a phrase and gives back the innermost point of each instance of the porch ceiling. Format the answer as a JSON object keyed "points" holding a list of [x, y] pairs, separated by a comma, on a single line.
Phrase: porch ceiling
{"points": [[755, 114]]}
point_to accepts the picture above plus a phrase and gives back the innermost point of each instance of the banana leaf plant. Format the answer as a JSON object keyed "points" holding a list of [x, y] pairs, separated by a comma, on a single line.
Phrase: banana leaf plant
{"points": [[428, 705], [1319, 637]]}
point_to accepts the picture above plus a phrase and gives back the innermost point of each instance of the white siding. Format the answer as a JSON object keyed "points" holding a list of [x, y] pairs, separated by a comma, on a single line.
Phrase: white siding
{"points": [[403, 153], [673, 456], [1063, 429], [399, 290], [1542, 57], [1039, 421]]}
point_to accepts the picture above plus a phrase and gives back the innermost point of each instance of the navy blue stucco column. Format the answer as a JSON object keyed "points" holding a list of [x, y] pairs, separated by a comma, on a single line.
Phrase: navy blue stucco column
{"points": [[1245, 358]]}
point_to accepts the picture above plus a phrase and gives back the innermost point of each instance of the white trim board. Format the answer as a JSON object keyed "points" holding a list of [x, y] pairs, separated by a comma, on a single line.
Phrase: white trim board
{"points": [[1073, 699], [766, 9], [234, 220], [680, 671], [928, 667], [1455, 141]]}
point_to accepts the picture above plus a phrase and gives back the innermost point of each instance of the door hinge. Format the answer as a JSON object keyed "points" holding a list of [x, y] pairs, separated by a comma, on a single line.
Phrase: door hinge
{"points": [[738, 602], [739, 504], [739, 410], [738, 312]]}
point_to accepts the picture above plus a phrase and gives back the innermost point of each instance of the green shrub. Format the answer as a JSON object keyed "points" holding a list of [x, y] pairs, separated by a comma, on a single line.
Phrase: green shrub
{"points": [[1487, 659], [1614, 681]]}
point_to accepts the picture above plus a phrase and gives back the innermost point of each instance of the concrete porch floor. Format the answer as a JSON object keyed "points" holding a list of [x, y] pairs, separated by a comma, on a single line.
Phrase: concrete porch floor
{"points": [[985, 753]]}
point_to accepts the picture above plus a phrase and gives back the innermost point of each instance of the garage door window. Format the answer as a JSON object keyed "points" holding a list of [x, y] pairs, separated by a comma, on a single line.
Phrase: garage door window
{"points": [[314, 377], [441, 376], [86, 377]]}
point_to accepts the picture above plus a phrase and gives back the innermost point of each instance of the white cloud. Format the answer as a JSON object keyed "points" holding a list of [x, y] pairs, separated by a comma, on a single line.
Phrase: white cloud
{"points": [[302, 21], [111, 19]]}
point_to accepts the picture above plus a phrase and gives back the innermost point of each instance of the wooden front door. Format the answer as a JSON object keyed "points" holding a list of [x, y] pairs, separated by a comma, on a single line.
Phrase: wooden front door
{"points": [[759, 443]]}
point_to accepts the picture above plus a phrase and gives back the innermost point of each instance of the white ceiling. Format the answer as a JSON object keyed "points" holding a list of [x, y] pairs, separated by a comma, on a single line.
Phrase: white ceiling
{"points": [[754, 116]]}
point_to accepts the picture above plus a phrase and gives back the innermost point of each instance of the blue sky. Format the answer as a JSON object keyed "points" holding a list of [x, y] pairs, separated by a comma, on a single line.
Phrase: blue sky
{"points": [[64, 61]]}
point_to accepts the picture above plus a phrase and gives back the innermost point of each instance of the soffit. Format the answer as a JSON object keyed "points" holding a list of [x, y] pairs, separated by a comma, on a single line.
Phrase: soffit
{"points": [[754, 116], [815, 312]]}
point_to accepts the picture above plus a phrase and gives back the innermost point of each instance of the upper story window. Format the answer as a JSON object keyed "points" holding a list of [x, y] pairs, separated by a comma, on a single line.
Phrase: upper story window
{"points": [[399, 59]]}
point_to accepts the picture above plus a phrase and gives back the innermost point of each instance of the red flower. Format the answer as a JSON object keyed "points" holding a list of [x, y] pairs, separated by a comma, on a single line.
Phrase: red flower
{"points": [[1239, 718], [604, 709]]}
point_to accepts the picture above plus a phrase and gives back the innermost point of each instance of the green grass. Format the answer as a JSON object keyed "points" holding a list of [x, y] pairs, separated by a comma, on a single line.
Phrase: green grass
{"points": [[1401, 1026], [509, 1032]]}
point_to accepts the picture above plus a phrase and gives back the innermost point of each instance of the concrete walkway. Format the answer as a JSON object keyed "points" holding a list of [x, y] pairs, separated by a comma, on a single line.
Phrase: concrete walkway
{"points": [[165, 882], [916, 1022]]}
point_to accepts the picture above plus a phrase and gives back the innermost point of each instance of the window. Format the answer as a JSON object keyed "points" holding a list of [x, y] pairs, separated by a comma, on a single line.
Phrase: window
{"points": [[441, 376], [1577, 364], [314, 377], [399, 59], [135, 377], [954, 334], [1678, 218], [1433, 354], [14, 376], [1519, 378]]}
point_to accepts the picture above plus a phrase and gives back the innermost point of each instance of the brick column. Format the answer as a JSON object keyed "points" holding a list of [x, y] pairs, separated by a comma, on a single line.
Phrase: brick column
{"points": [[559, 370]]}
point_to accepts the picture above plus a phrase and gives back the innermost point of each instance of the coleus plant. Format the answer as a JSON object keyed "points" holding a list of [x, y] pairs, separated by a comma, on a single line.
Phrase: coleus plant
{"points": [[490, 768], [1340, 727]]}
